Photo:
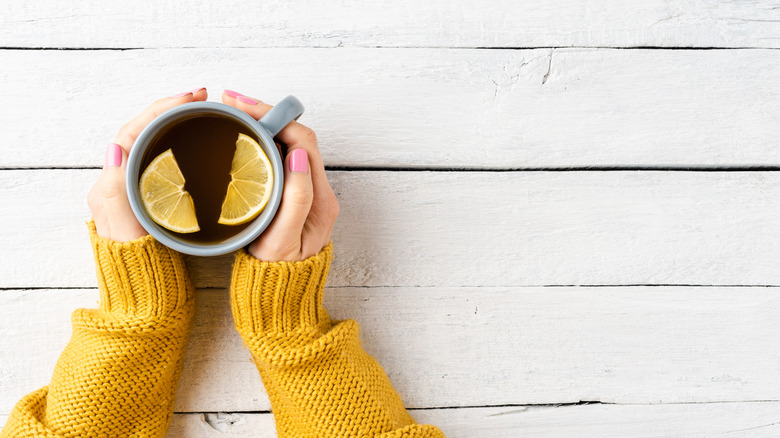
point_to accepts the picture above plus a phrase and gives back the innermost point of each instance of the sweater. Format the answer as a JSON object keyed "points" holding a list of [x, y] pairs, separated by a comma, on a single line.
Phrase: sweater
{"points": [[118, 374]]}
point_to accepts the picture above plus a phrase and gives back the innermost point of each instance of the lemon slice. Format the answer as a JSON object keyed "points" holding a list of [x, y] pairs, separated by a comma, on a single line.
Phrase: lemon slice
{"points": [[163, 195], [251, 180]]}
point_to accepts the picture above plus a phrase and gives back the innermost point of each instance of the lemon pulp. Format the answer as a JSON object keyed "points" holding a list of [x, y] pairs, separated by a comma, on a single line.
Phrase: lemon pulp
{"points": [[164, 197], [251, 180]]}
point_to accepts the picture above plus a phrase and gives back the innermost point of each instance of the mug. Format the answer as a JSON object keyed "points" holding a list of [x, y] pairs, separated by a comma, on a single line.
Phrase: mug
{"points": [[265, 129]]}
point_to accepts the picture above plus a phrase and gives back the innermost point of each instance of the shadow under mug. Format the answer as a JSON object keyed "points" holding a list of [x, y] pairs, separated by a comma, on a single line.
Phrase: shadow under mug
{"points": [[287, 110]]}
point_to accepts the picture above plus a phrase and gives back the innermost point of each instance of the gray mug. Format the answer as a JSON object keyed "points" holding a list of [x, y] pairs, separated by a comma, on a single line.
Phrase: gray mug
{"points": [[289, 109]]}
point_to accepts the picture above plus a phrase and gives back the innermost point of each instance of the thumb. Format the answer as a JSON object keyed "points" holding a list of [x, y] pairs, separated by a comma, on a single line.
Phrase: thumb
{"points": [[122, 224], [112, 179], [282, 239]]}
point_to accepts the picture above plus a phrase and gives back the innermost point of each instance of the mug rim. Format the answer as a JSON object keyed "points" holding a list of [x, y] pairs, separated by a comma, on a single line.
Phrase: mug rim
{"points": [[162, 235]]}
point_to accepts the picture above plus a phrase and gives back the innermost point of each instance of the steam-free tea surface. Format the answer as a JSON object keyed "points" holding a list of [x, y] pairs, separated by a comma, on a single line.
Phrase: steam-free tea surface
{"points": [[203, 147]]}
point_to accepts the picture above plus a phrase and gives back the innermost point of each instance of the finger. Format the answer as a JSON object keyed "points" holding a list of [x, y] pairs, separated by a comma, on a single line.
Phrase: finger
{"points": [[229, 97], [127, 135], [292, 135], [200, 94], [121, 222], [282, 239]]}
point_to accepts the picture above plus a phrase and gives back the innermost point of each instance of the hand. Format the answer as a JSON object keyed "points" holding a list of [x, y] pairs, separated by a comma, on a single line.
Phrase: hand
{"points": [[107, 200], [304, 222]]}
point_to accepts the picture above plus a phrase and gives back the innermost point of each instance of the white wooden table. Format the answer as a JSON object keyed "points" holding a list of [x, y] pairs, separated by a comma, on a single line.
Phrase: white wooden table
{"points": [[559, 219]]}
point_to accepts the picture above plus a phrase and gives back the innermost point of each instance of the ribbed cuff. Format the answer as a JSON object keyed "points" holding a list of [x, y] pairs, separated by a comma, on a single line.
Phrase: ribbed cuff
{"points": [[279, 297], [415, 431], [139, 279]]}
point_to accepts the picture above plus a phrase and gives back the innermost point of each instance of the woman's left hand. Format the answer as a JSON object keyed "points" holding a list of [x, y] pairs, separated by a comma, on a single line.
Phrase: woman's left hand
{"points": [[309, 208], [107, 200]]}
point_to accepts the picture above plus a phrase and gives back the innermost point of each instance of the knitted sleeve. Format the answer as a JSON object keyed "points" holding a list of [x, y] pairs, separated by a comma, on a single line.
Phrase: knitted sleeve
{"points": [[118, 373], [320, 380]]}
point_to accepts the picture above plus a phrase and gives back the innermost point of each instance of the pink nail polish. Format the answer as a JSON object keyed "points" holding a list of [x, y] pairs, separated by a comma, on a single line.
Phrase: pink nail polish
{"points": [[299, 161], [182, 94], [113, 155], [247, 100], [198, 90], [232, 93]]}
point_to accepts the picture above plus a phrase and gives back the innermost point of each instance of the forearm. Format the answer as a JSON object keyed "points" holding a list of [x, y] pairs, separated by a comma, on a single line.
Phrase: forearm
{"points": [[118, 373], [320, 380]]}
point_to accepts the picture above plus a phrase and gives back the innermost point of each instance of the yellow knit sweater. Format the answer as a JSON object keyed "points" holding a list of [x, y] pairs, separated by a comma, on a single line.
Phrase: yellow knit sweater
{"points": [[118, 373]]}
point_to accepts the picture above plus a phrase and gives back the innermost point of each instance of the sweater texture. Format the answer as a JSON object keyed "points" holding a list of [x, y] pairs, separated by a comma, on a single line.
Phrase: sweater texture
{"points": [[118, 374]]}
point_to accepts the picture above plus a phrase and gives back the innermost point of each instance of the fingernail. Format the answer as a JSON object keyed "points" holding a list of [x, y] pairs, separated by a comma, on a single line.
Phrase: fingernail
{"points": [[182, 94], [113, 155], [299, 161], [232, 93], [247, 100], [198, 90]]}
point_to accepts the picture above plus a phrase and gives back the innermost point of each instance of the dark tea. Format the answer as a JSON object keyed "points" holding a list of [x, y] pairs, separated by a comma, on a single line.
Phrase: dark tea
{"points": [[203, 146]]}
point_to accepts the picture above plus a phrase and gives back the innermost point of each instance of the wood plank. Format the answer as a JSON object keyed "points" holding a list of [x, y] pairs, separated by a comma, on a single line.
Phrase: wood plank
{"points": [[739, 420], [463, 229], [469, 346], [449, 23], [423, 108]]}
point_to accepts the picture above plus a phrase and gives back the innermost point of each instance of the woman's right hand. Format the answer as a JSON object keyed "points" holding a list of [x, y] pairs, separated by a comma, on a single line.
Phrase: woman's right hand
{"points": [[309, 208], [107, 200]]}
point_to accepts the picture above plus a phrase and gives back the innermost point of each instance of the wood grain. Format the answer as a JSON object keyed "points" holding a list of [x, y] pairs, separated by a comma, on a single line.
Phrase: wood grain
{"points": [[421, 108], [457, 347], [407, 23], [463, 229], [448, 272], [740, 420]]}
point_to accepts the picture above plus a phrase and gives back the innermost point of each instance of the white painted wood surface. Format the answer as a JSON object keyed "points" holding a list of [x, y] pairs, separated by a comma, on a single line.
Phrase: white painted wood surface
{"points": [[447, 272], [739, 420], [423, 108], [469, 346], [406, 23], [464, 229]]}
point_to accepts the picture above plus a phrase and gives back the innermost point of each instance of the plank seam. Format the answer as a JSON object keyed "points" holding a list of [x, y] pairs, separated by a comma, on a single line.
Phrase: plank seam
{"points": [[52, 48], [694, 168], [512, 405], [592, 286], [590, 402], [756, 168], [73, 48]]}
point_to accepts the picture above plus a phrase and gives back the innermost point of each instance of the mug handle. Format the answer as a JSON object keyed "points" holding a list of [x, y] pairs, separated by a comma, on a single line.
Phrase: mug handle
{"points": [[284, 112]]}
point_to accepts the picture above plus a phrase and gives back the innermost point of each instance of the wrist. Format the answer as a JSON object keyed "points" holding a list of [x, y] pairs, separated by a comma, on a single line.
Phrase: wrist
{"points": [[125, 231], [140, 278], [277, 253], [279, 296]]}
